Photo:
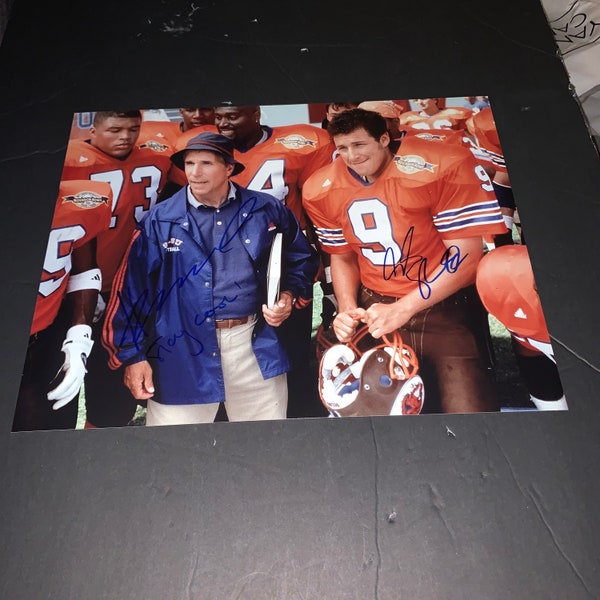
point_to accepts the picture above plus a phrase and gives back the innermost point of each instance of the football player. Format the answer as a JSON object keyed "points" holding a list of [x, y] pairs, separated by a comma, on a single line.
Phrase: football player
{"points": [[334, 108], [430, 116], [506, 285], [64, 309], [192, 348], [475, 103], [391, 112], [482, 128], [167, 132], [135, 174], [278, 161], [405, 236]]}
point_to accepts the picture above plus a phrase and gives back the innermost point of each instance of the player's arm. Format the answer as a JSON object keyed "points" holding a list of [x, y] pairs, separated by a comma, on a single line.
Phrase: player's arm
{"points": [[437, 284], [346, 282], [83, 300], [85, 281]]}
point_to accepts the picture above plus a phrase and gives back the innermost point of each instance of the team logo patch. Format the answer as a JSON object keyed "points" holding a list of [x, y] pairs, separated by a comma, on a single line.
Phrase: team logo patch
{"points": [[412, 163], [86, 199], [295, 142], [154, 145], [432, 137], [173, 245]]}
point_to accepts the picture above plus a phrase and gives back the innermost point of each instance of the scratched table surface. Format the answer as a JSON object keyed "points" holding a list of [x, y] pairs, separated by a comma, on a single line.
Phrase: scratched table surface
{"points": [[491, 506]]}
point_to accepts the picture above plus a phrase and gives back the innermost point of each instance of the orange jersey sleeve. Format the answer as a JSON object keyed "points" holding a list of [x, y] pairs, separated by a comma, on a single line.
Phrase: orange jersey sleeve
{"points": [[135, 182], [159, 135], [397, 225], [483, 129], [453, 117], [81, 212]]}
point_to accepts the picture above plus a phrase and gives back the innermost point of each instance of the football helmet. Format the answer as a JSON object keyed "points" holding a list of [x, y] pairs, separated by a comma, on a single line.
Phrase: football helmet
{"points": [[325, 339], [369, 377]]}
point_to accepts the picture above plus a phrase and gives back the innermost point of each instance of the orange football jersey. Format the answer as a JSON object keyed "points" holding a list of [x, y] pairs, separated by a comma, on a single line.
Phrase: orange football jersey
{"points": [[283, 162], [506, 286], [186, 136], [450, 136], [81, 212], [135, 182], [159, 134], [453, 117], [428, 193], [280, 164], [483, 129]]}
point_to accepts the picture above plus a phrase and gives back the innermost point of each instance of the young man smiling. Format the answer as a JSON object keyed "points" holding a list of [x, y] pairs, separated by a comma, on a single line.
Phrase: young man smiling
{"points": [[405, 236]]}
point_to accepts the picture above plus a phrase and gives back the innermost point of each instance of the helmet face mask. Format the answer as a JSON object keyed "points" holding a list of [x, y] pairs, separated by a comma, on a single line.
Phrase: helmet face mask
{"points": [[369, 377]]}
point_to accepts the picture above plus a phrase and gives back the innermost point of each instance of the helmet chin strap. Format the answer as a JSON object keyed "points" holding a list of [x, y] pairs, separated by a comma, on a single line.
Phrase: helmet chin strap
{"points": [[402, 363]]}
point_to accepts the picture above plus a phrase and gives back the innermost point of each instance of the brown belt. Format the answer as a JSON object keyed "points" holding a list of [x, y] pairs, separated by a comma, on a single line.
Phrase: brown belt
{"points": [[465, 295], [229, 323], [377, 297]]}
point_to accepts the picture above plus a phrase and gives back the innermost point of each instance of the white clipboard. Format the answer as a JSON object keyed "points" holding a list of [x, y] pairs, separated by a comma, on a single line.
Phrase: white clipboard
{"points": [[274, 270]]}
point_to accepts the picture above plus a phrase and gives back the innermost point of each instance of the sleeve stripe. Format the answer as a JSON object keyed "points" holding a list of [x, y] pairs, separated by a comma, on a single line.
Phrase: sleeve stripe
{"points": [[113, 306], [497, 159], [479, 207], [491, 219], [330, 237]]}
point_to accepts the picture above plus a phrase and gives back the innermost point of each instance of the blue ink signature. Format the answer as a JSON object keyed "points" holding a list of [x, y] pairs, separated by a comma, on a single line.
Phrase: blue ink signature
{"points": [[139, 311], [155, 348], [414, 267]]}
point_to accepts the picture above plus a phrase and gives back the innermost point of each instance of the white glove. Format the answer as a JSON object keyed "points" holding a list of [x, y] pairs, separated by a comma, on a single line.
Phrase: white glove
{"points": [[76, 348], [99, 310]]}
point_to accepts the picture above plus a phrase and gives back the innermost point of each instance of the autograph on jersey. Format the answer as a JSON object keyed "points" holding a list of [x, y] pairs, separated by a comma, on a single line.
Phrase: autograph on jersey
{"points": [[415, 268]]}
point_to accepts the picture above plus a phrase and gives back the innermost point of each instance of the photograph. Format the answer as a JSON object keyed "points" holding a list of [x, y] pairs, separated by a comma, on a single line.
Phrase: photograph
{"points": [[245, 263], [278, 325]]}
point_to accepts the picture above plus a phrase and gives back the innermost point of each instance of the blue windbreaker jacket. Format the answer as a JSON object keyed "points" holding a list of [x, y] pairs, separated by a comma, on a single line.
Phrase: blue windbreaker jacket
{"points": [[161, 306]]}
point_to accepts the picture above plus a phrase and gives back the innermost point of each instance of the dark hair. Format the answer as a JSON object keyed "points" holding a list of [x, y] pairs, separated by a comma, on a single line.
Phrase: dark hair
{"points": [[355, 118], [347, 105], [101, 116]]}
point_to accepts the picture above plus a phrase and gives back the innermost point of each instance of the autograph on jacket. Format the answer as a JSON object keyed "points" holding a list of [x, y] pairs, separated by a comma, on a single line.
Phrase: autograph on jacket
{"points": [[140, 311]]}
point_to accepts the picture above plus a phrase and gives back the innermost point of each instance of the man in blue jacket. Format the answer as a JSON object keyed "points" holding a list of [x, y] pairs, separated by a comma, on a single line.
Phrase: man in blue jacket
{"points": [[188, 316]]}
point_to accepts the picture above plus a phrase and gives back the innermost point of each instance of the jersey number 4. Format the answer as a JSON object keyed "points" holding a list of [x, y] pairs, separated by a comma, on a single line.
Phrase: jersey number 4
{"points": [[270, 178]]}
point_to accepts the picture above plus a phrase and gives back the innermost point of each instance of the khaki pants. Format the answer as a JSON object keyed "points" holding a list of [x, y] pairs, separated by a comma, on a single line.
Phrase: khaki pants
{"points": [[249, 397]]}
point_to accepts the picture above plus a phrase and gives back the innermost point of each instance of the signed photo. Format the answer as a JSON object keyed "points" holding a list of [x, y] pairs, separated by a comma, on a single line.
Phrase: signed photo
{"points": [[241, 263]]}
